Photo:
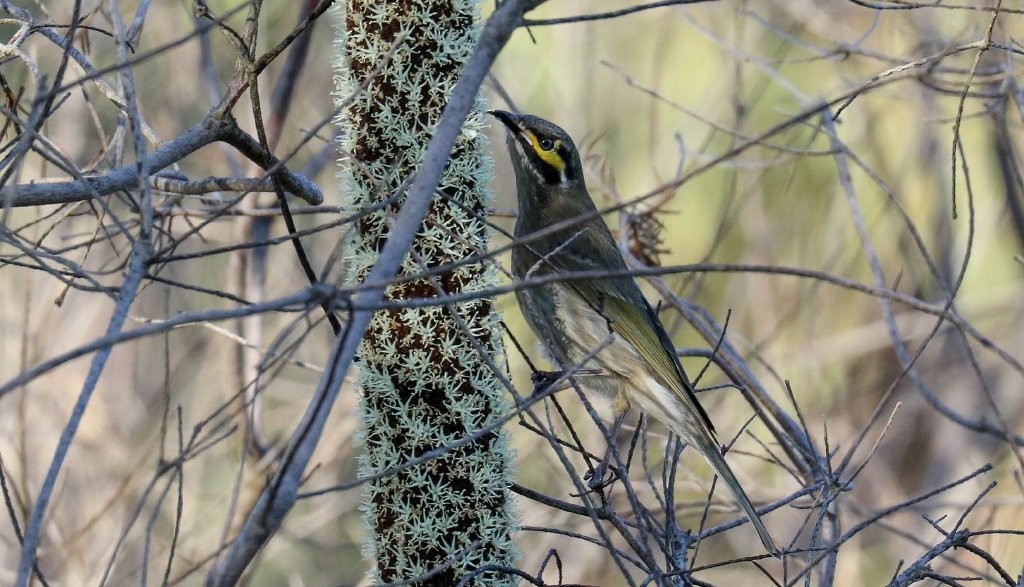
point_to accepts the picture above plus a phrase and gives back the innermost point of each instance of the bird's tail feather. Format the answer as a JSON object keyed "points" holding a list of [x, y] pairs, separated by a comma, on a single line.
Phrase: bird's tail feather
{"points": [[709, 448]]}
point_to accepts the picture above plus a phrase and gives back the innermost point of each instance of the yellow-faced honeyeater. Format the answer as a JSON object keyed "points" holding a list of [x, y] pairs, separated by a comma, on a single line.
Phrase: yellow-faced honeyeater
{"points": [[637, 360]]}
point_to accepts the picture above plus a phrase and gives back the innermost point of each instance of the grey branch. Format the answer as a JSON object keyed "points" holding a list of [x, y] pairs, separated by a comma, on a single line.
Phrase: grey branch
{"points": [[195, 187], [207, 131]]}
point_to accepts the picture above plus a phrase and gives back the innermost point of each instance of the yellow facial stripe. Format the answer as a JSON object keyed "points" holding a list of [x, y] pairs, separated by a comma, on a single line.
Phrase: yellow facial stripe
{"points": [[550, 157]]}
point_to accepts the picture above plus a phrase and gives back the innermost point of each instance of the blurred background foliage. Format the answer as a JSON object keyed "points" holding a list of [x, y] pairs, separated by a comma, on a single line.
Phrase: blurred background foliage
{"points": [[650, 97]]}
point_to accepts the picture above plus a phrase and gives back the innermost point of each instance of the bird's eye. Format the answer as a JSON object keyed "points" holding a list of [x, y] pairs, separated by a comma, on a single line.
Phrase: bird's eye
{"points": [[546, 144]]}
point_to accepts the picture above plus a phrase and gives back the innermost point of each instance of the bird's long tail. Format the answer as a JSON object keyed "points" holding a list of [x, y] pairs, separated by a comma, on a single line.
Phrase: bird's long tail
{"points": [[709, 448]]}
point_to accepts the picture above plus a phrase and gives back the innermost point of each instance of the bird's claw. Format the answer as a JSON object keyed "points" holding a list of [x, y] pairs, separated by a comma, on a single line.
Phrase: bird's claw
{"points": [[543, 379], [598, 478]]}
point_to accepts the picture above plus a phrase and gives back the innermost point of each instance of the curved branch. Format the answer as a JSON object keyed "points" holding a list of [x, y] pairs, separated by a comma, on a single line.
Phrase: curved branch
{"points": [[207, 131]]}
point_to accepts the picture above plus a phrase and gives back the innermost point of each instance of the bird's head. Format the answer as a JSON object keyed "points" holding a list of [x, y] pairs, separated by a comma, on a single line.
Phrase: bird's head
{"points": [[541, 151]]}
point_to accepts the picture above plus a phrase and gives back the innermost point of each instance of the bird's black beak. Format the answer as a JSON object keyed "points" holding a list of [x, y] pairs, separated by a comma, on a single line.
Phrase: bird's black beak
{"points": [[511, 121]]}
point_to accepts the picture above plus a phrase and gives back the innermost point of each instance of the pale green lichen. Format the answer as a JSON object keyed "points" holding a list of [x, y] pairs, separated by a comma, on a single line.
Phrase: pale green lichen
{"points": [[424, 383]]}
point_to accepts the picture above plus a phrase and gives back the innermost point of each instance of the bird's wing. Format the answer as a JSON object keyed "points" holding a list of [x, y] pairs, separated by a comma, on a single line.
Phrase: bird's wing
{"points": [[628, 313], [635, 321]]}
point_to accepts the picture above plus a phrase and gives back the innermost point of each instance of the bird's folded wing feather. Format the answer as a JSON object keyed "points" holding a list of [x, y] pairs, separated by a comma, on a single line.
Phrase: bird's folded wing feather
{"points": [[638, 325], [629, 315]]}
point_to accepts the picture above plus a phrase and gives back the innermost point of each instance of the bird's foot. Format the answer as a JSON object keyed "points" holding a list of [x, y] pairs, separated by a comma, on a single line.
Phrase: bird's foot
{"points": [[600, 477], [544, 379]]}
